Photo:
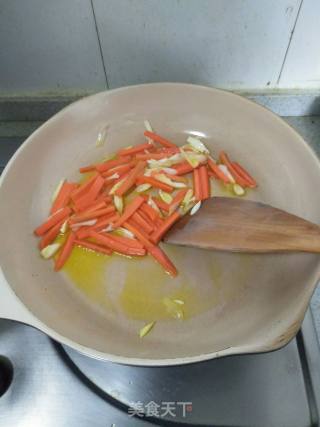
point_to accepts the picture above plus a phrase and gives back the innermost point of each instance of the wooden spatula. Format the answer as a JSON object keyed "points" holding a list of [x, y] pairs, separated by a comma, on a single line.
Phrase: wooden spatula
{"points": [[244, 226]]}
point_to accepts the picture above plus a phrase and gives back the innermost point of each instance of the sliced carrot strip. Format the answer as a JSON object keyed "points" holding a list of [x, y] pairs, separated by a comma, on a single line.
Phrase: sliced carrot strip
{"points": [[52, 221], [238, 178], [158, 138], [177, 178], [50, 235], [65, 252], [120, 170], [140, 235], [86, 169], [161, 204], [93, 247], [163, 259], [197, 184], [130, 181], [126, 241], [130, 210], [145, 226], [183, 168], [148, 210], [133, 150], [106, 240], [109, 164], [154, 156], [91, 214], [177, 199], [63, 196], [91, 194], [92, 207], [154, 182], [204, 181], [103, 222], [245, 175], [218, 172], [80, 191], [146, 217], [168, 222]]}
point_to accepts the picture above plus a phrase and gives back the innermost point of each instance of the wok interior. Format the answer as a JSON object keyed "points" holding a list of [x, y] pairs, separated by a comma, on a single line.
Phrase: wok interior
{"points": [[278, 287]]}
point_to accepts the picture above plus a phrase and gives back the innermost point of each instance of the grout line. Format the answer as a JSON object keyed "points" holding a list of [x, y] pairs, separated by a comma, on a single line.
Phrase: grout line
{"points": [[99, 41], [289, 43]]}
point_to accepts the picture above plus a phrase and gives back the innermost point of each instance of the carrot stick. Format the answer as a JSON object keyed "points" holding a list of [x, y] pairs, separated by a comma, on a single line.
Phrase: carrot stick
{"points": [[93, 247], [63, 196], [134, 150], [196, 184], [120, 170], [154, 156], [52, 221], [87, 215], [146, 217], [177, 199], [218, 172], [91, 194], [80, 191], [154, 182], [163, 259], [169, 221], [93, 207], [148, 210], [245, 175], [130, 210], [130, 181], [158, 138], [177, 178], [142, 223], [86, 169], [140, 235], [109, 164], [106, 240], [238, 178], [204, 181], [126, 241], [183, 168], [103, 222], [161, 204], [50, 235], [65, 252]]}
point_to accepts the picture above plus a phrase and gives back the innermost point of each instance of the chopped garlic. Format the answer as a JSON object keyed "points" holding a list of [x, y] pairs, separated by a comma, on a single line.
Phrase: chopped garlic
{"points": [[146, 329], [197, 145], [57, 190], [114, 176], [118, 202], [166, 180], [88, 223], [195, 208], [64, 227], [179, 301], [194, 159], [225, 170], [169, 171], [116, 186], [143, 187], [173, 308], [50, 250], [187, 198], [166, 197], [148, 127], [238, 190], [102, 136], [108, 229], [153, 205], [124, 232]]}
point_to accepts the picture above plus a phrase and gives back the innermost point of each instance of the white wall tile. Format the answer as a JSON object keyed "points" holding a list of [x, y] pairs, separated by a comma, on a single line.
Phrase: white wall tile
{"points": [[48, 46], [302, 65], [225, 43]]}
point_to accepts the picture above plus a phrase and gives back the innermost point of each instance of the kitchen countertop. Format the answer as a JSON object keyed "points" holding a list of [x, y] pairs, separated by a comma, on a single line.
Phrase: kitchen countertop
{"points": [[13, 133]]}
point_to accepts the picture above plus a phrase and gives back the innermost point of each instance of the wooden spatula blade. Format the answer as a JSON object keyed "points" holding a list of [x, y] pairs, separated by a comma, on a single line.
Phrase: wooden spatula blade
{"points": [[237, 225]]}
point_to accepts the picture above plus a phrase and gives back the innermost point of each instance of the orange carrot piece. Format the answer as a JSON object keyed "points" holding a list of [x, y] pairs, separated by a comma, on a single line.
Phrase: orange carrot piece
{"points": [[145, 226], [63, 196], [177, 199], [86, 169], [168, 222], [120, 170], [218, 172], [154, 182], [93, 207], [80, 191], [106, 240], [134, 150], [126, 241], [245, 175], [50, 235], [140, 235], [158, 138], [103, 222], [197, 184], [65, 252], [146, 217], [130, 210], [204, 181], [159, 222], [91, 214], [238, 178], [93, 247], [52, 221], [183, 168], [161, 204], [130, 181], [148, 210], [163, 259], [109, 164], [177, 178], [90, 196]]}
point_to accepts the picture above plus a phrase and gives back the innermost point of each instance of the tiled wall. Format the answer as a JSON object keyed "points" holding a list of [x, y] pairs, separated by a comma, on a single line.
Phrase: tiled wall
{"points": [[81, 45]]}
